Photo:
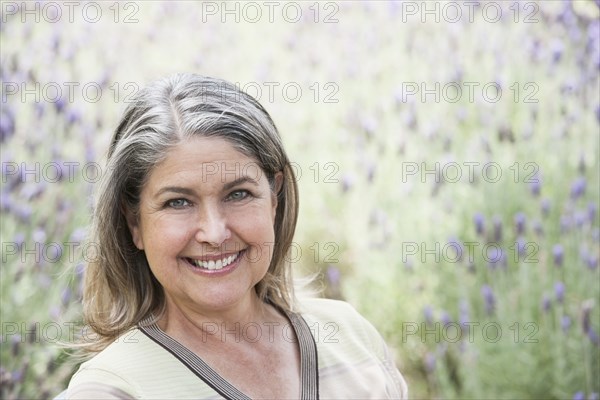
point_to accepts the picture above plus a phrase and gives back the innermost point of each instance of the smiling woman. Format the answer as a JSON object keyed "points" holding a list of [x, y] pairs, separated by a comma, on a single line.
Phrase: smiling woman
{"points": [[192, 296]]}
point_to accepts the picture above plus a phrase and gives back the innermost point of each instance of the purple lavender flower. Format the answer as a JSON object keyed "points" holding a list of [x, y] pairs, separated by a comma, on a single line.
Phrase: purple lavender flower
{"points": [[66, 296], [592, 210], [19, 239], [538, 228], [565, 323], [33, 191], [497, 229], [53, 253], [520, 223], [594, 30], [347, 182], [371, 169], [463, 313], [594, 395], [60, 104], [559, 290], [445, 318], [430, 361], [593, 336], [546, 303], [592, 262], [535, 186], [61, 170], [579, 396], [479, 223], [369, 125], [566, 222], [557, 51], [40, 108], [39, 235], [583, 253], [7, 160], [579, 218], [578, 188], [18, 375], [90, 153], [78, 235], [459, 250], [495, 257], [558, 255], [5, 201], [7, 123], [23, 212], [73, 116], [54, 312], [333, 276], [490, 299], [545, 207], [428, 314]]}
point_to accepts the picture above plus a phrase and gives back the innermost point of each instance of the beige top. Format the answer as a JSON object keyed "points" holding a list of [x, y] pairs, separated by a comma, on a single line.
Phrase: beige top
{"points": [[342, 357]]}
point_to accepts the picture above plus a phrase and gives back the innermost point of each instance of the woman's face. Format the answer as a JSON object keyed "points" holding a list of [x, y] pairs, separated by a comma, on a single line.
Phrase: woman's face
{"points": [[206, 225]]}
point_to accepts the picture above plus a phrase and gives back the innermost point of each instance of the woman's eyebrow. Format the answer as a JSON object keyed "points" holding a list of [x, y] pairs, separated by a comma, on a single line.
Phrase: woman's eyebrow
{"points": [[239, 181], [191, 192], [175, 189]]}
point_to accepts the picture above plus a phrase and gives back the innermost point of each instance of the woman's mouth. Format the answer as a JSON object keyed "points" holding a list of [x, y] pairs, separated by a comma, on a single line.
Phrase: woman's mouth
{"points": [[219, 264]]}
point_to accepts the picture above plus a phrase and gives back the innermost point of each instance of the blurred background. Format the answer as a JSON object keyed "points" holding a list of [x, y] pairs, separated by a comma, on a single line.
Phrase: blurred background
{"points": [[447, 156]]}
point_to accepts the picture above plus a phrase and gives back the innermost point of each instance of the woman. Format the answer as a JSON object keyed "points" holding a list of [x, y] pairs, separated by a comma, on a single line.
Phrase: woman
{"points": [[191, 296]]}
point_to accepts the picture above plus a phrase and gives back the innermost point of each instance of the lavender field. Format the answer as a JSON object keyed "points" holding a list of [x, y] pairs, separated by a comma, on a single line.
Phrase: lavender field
{"points": [[447, 156]]}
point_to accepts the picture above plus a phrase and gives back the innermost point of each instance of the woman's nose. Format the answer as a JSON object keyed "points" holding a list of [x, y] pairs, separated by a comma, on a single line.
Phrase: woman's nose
{"points": [[212, 226]]}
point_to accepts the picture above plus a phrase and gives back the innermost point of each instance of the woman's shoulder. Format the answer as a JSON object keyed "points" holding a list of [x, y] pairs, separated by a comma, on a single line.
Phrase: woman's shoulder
{"points": [[350, 349], [125, 345], [329, 310], [106, 373], [323, 306], [328, 315], [116, 371]]}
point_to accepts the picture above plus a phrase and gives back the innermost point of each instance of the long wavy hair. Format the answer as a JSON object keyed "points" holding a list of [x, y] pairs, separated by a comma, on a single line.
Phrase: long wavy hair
{"points": [[119, 289]]}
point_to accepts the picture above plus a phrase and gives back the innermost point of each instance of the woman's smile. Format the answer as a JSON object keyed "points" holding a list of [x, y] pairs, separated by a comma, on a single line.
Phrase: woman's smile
{"points": [[217, 265]]}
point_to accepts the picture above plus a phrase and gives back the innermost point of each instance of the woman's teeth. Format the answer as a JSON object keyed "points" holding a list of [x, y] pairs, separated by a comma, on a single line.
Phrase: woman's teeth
{"points": [[215, 264]]}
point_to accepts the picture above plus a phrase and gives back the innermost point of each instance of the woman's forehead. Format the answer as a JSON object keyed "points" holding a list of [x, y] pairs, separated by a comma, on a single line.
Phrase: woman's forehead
{"points": [[203, 160]]}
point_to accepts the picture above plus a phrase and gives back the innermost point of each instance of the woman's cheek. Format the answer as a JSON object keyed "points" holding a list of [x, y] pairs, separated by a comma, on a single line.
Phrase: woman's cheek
{"points": [[177, 231]]}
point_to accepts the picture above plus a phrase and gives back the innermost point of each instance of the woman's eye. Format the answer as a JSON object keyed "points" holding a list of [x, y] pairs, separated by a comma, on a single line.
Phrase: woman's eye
{"points": [[177, 203], [238, 195]]}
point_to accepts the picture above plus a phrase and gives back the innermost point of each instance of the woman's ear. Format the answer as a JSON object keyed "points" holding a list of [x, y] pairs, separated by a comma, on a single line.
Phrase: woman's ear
{"points": [[134, 228]]}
